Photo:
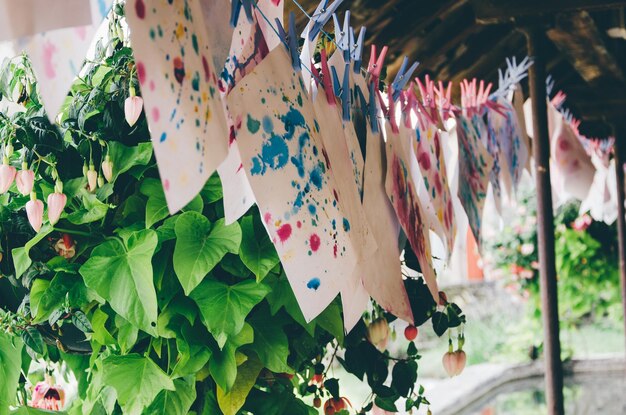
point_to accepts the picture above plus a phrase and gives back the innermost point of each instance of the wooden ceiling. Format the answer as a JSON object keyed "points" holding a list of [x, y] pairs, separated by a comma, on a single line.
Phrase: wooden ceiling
{"points": [[457, 39]]}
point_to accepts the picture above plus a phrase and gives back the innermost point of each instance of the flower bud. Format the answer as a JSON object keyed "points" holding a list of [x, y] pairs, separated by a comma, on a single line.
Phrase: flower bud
{"points": [[7, 175], [56, 204], [378, 333], [100, 181], [92, 178], [24, 180], [132, 109], [34, 212], [107, 168]]}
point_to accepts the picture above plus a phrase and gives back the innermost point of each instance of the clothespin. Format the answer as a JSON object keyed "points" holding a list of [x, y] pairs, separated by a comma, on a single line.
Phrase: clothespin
{"points": [[357, 49], [342, 90], [326, 79], [402, 77], [289, 40], [376, 63], [391, 112], [558, 99], [342, 35], [372, 108], [321, 16], [236, 9], [444, 101]]}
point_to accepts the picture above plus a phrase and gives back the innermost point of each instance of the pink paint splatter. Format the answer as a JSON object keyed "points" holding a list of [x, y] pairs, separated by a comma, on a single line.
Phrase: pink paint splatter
{"points": [[155, 114], [299, 224], [207, 70], [166, 185], [284, 232], [424, 161], [335, 250], [267, 218], [240, 167], [141, 72], [81, 32], [140, 9], [336, 195], [276, 2], [564, 145], [152, 86], [314, 242], [48, 51]]}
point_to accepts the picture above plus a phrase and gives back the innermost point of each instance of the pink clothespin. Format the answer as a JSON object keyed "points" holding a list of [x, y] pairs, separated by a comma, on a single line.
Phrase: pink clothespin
{"points": [[327, 82], [376, 63], [444, 101], [390, 113], [558, 99]]}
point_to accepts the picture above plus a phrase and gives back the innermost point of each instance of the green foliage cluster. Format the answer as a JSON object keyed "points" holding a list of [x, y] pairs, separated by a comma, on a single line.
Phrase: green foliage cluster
{"points": [[152, 313]]}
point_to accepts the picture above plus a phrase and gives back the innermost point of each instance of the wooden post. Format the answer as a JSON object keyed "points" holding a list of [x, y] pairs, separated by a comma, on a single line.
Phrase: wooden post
{"points": [[621, 225], [545, 223]]}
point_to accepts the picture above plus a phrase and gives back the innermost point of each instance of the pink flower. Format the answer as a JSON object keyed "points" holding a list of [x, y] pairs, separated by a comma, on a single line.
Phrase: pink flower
{"points": [[56, 204], [582, 223], [34, 212], [48, 396], [92, 178], [132, 109], [24, 180], [7, 175], [65, 247], [526, 274], [534, 265], [107, 168], [378, 333]]}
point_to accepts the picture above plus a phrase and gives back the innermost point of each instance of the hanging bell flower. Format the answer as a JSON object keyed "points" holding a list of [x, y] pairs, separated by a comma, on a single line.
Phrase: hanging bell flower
{"points": [[107, 168], [65, 247], [24, 180], [100, 180], [378, 333], [56, 203], [47, 395], [92, 178], [85, 169], [132, 107], [34, 212], [7, 175]]}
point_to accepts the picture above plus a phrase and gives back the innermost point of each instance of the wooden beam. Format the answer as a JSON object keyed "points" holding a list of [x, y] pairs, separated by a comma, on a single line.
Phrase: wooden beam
{"points": [[545, 225], [621, 225], [493, 11]]}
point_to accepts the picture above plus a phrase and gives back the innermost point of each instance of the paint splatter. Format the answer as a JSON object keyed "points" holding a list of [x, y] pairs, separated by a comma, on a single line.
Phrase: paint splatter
{"points": [[313, 284], [346, 225], [253, 125], [179, 69], [314, 242], [140, 9], [284, 232], [48, 51]]}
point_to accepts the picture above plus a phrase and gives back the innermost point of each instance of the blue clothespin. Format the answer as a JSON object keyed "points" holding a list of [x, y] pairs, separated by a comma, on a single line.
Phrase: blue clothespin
{"points": [[402, 77], [321, 16], [357, 49], [342, 35], [236, 9], [372, 109], [342, 90], [290, 40]]}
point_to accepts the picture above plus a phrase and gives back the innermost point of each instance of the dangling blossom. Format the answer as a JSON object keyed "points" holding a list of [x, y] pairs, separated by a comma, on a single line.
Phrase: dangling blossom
{"points": [[132, 107], [92, 178], [65, 247], [582, 223], [47, 395], [107, 168], [527, 249], [24, 180], [34, 212], [56, 203], [7, 175], [378, 333]]}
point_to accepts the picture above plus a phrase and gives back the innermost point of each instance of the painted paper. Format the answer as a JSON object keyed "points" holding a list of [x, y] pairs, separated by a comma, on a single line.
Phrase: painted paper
{"points": [[475, 164], [383, 274], [402, 171], [179, 83], [427, 149], [293, 185], [338, 157], [30, 17]]}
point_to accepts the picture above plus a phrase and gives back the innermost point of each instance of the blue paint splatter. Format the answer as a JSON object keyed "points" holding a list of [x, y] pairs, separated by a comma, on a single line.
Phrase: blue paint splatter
{"points": [[346, 225], [102, 7], [163, 137], [313, 284], [316, 177], [274, 154], [312, 209], [292, 119], [268, 125], [298, 160]]}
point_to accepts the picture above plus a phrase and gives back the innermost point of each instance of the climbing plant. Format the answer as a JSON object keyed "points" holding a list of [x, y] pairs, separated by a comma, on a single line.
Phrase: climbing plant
{"points": [[151, 312]]}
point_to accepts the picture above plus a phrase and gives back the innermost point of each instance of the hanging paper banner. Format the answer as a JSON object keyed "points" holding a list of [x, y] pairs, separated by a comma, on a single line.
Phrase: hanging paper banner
{"points": [[30, 17], [216, 15], [475, 164], [294, 188], [382, 274], [520, 111], [179, 84], [506, 130], [402, 171], [338, 159], [601, 202], [427, 149]]}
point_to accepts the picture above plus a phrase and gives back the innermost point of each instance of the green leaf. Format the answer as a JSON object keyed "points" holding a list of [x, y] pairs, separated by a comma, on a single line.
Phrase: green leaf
{"points": [[136, 379], [270, 341], [193, 354], [200, 246], [100, 333], [230, 403], [121, 273], [281, 296], [387, 404], [124, 158], [82, 323], [404, 376], [330, 320], [32, 338], [177, 402], [10, 362], [21, 260], [223, 363], [224, 307], [332, 386], [37, 291], [27, 410], [54, 295], [257, 250], [93, 209], [212, 190], [440, 323], [156, 206]]}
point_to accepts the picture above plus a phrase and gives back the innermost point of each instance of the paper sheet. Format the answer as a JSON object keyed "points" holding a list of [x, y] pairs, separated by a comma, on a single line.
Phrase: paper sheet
{"points": [[338, 156], [179, 85], [382, 276], [281, 151], [402, 173], [475, 163]]}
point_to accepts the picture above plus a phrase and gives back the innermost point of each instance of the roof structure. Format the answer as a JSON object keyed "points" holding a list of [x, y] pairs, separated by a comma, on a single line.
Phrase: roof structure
{"points": [[457, 39]]}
